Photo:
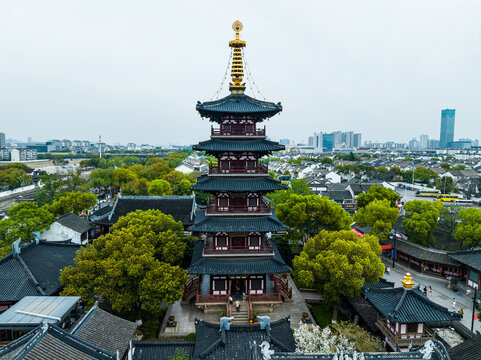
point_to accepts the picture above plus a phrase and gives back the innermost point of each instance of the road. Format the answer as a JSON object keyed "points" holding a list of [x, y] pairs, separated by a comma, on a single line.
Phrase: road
{"points": [[440, 295]]}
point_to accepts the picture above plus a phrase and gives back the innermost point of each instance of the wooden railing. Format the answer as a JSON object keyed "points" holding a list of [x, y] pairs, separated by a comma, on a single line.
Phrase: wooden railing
{"points": [[239, 130], [263, 208], [281, 285], [265, 297], [228, 304], [250, 307], [191, 287], [404, 340], [224, 250], [208, 298], [261, 169]]}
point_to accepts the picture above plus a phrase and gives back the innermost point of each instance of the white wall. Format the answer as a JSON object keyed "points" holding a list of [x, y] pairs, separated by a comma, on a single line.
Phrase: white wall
{"points": [[58, 232]]}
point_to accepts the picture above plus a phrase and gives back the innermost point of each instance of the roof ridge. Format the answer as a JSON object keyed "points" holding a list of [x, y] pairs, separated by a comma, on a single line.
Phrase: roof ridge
{"points": [[78, 343], [30, 275], [84, 319]]}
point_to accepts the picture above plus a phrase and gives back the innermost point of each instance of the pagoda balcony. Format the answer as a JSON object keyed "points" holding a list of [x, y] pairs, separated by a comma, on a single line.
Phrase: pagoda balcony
{"points": [[262, 250], [403, 340], [238, 131], [238, 170], [214, 209]]}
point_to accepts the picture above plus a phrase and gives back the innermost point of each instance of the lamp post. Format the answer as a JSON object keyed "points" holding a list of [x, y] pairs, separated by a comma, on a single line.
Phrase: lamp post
{"points": [[474, 307]]}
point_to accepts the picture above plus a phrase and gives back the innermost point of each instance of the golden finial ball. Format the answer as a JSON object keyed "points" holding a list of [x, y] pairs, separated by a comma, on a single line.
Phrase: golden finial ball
{"points": [[237, 26]]}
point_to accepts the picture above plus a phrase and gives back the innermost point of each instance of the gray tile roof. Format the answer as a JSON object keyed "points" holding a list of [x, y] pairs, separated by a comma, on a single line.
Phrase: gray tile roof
{"points": [[471, 258], [468, 350], [180, 207], [422, 252], [236, 224], [75, 222], [238, 184], [45, 261], [48, 342], [238, 104], [237, 265], [408, 306], [156, 350], [217, 145], [212, 344], [106, 331], [35, 271]]}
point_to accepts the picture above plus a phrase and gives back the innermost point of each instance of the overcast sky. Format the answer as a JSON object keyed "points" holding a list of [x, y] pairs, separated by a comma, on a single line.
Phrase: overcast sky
{"points": [[132, 71]]}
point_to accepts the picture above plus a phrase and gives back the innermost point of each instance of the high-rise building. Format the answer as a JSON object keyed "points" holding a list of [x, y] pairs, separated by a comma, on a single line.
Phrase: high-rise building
{"points": [[336, 139], [317, 142], [310, 141], [413, 143], [433, 144], [347, 139], [2, 140], [447, 127], [357, 142], [423, 141], [328, 142]]}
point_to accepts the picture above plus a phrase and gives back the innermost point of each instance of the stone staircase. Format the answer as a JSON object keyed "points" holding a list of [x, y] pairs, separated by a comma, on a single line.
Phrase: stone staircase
{"points": [[241, 316]]}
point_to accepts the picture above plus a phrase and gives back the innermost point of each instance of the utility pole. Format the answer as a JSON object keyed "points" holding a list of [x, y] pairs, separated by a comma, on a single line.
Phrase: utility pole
{"points": [[474, 307], [100, 146]]}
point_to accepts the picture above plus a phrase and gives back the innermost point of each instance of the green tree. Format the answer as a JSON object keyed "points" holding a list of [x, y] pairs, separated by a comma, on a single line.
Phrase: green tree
{"points": [[425, 175], [136, 187], [122, 176], [377, 192], [458, 167], [182, 187], [75, 181], [421, 219], [300, 186], [445, 184], [361, 339], [52, 188], [75, 202], [337, 263], [102, 178], [23, 219], [379, 215], [468, 230], [309, 214], [159, 187], [126, 269]]}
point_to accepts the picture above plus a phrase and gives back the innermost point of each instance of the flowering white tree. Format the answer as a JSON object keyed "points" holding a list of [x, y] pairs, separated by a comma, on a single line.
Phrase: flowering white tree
{"points": [[312, 339]]}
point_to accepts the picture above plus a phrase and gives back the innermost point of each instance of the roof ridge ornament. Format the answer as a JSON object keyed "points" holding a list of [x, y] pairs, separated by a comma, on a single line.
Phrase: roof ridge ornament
{"points": [[237, 68], [408, 281]]}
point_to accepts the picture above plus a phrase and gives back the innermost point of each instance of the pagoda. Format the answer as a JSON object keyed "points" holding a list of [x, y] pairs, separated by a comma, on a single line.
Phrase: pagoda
{"points": [[236, 256]]}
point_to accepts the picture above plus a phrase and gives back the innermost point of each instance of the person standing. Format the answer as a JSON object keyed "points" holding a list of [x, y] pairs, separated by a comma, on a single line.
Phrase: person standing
{"points": [[388, 270], [430, 290], [425, 291], [454, 303], [237, 305]]}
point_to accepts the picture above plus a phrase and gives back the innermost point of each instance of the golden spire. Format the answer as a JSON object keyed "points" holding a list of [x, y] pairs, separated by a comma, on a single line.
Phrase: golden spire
{"points": [[408, 281], [237, 70]]}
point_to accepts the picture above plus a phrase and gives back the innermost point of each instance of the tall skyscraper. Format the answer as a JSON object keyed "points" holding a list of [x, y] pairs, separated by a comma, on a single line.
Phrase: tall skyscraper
{"points": [[317, 142], [310, 141], [423, 141], [447, 127], [2, 140], [357, 142], [328, 142]]}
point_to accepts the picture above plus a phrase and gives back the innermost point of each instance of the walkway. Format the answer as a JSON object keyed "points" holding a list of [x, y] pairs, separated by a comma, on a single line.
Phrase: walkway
{"points": [[440, 295], [186, 314]]}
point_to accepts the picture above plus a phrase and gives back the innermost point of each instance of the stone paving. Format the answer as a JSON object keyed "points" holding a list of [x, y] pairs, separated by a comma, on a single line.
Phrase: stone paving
{"points": [[186, 314], [440, 295]]}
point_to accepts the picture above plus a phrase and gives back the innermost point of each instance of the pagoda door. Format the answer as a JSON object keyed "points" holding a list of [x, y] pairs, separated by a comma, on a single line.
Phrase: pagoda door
{"points": [[238, 203], [238, 242], [238, 165]]}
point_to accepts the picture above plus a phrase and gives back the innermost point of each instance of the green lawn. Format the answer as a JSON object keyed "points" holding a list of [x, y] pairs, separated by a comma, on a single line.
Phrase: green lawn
{"points": [[323, 315]]}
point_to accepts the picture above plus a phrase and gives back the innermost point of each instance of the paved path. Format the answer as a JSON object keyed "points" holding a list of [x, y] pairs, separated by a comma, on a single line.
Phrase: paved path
{"points": [[440, 295]]}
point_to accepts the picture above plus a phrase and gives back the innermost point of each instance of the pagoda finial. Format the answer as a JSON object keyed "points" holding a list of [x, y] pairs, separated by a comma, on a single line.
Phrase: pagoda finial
{"points": [[408, 281], [237, 70]]}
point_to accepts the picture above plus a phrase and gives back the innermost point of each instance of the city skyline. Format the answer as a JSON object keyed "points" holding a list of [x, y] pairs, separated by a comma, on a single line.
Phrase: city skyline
{"points": [[140, 71]]}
